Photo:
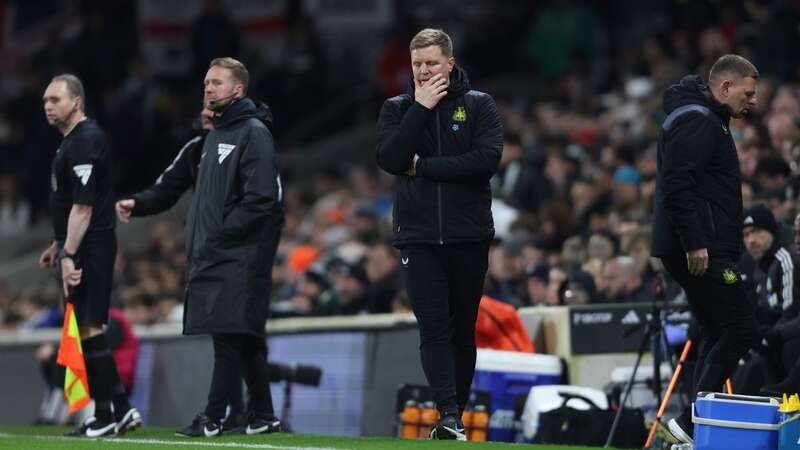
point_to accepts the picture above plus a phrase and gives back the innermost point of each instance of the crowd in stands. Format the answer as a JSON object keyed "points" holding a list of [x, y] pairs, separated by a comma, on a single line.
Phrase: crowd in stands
{"points": [[572, 197]]}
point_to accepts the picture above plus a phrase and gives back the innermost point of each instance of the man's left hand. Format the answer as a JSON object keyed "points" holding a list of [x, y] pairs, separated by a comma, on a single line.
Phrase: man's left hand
{"points": [[69, 274], [413, 170]]}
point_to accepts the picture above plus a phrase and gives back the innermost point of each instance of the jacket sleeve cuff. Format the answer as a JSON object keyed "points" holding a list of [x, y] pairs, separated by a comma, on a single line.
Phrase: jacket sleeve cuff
{"points": [[693, 243], [137, 204]]}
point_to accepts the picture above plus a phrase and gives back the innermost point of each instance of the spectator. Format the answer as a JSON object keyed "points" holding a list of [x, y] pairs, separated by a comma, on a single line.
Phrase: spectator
{"points": [[622, 282], [536, 285], [383, 272], [556, 277], [577, 289], [314, 296], [351, 283], [602, 246]]}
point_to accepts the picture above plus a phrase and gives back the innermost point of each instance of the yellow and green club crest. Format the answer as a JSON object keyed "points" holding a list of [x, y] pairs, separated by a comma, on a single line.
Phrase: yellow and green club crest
{"points": [[729, 276], [460, 114]]}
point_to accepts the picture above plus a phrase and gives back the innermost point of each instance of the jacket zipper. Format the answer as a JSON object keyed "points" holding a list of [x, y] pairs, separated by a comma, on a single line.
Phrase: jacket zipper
{"points": [[190, 247], [439, 185], [711, 216]]}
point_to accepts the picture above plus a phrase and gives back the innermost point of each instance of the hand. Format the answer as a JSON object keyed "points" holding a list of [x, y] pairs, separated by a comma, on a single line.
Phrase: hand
{"points": [[430, 92], [48, 258], [45, 352], [70, 276], [413, 170], [698, 261], [124, 209]]}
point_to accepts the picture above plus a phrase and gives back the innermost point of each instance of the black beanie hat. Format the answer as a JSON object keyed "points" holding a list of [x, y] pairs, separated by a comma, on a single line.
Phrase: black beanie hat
{"points": [[760, 216]]}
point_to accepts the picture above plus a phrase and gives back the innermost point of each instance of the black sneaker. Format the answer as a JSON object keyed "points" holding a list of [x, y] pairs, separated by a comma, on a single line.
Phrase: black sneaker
{"points": [[235, 423], [129, 421], [262, 424], [201, 426], [94, 428], [449, 427], [682, 430]]}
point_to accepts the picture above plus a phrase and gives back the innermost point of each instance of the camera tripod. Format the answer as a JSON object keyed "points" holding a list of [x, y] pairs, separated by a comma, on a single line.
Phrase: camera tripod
{"points": [[655, 337]]}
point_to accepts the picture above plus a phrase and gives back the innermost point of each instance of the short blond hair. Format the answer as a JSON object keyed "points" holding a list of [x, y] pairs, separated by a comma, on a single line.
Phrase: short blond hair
{"points": [[432, 36], [238, 70]]}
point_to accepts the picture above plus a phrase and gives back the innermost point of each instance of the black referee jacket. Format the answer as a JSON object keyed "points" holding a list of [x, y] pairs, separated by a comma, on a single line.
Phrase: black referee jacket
{"points": [[233, 225]]}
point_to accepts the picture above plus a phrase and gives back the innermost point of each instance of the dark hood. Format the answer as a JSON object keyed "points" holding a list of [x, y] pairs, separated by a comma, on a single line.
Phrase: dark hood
{"points": [[691, 90], [459, 83], [244, 109]]}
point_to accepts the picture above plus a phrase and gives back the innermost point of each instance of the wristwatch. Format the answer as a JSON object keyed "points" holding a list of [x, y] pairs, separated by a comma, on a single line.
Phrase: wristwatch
{"points": [[64, 254]]}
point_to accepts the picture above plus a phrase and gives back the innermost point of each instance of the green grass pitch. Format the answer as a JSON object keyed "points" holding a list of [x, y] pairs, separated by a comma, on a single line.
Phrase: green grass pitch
{"points": [[49, 438]]}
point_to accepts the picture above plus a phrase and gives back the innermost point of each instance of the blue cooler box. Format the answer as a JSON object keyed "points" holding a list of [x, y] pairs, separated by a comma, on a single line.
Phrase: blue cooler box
{"points": [[789, 433], [735, 422], [509, 374]]}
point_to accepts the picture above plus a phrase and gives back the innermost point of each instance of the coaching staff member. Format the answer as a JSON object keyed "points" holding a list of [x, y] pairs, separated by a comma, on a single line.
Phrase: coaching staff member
{"points": [[443, 142], [176, 179], [232, 232], [697, 223], [85, 246]]}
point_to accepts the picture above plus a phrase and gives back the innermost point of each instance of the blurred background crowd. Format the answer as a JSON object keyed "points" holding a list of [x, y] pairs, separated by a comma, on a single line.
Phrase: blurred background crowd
{"points": [[578, 84]]}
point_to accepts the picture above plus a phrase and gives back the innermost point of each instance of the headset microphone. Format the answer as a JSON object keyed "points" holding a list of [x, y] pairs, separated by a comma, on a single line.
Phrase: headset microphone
{"points": [[214, 103]]}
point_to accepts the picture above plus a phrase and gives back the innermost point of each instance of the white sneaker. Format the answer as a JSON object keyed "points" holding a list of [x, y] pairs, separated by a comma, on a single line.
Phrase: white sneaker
{"points": [[678, 431], [129, 422], [682, 447]]}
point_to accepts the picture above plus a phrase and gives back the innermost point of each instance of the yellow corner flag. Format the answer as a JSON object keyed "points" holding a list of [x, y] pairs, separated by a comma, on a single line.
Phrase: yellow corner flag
{"points": [[70, 355]]}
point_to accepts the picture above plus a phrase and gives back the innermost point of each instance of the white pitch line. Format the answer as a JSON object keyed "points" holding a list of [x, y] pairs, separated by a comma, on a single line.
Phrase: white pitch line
{"points": [[192, 443]]}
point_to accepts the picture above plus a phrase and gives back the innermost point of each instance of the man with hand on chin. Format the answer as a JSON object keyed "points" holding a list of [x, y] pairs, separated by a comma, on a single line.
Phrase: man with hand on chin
{"points": [[443, 142]]}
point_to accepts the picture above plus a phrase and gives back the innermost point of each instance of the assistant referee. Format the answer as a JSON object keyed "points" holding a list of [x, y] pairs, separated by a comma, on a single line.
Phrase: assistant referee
{"points": [[85, 247]]}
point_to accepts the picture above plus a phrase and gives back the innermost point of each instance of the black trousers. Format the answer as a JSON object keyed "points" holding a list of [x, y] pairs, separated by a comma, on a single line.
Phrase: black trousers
{"points": [[445, 284], [237, 355], [724, 315], [92, 297]]}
